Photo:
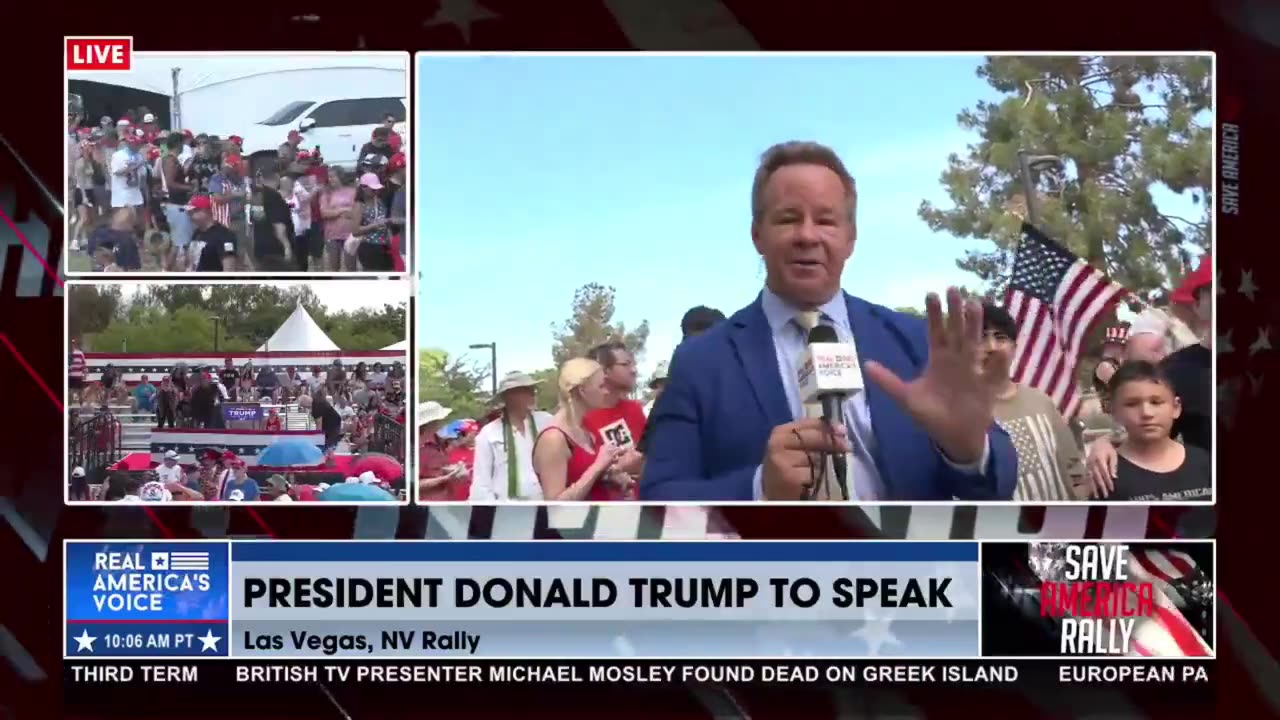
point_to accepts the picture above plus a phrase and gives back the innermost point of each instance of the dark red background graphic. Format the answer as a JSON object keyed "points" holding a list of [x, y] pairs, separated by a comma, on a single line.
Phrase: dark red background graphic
{"points": [[33, 521]]}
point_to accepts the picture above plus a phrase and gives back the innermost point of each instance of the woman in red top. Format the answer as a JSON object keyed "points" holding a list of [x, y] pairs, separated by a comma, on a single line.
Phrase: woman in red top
{"points": [[568, 464], [462, 451]]}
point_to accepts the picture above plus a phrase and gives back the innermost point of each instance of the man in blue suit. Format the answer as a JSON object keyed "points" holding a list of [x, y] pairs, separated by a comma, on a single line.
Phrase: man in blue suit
{"points": [[730, 426]]}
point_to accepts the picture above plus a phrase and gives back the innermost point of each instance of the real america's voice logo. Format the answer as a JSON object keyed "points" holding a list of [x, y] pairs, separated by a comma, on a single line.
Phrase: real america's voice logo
{"points": [[124, 581], [164, 599]]}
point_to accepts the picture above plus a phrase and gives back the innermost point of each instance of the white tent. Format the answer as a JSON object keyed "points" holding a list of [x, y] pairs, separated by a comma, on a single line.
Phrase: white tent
{"points": [[402, 346], [299, 333], [154, 72]]}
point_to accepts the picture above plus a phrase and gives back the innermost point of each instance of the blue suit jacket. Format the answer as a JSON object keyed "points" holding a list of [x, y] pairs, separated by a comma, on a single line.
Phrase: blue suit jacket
{"points": [[707, 433]]}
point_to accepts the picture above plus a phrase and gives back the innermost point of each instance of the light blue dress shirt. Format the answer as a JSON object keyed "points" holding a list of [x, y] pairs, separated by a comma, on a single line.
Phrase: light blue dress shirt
{"points": [[789, 342]]}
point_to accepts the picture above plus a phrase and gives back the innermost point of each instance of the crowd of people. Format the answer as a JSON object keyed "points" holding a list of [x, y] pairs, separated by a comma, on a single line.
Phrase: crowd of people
{"points": [[219, 475], [344, 403], [155, 200], [591, 448], [729, 422]]}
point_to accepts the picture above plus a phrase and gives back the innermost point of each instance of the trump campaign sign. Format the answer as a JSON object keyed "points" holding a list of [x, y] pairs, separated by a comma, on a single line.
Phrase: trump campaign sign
{"points": [[99, 53]]}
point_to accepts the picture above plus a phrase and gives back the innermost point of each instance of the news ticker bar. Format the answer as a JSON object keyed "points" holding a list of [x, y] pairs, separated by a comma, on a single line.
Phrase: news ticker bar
{"points": [[861, 673], [617, 600]]}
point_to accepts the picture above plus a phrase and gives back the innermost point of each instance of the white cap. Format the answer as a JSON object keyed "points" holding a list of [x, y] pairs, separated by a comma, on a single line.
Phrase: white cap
{"points": [[1150, 322], [155, 492], [368, 478], [148, 118], [170, 455], [236, 495], [284, 498], [77, 472], [322, 487]]}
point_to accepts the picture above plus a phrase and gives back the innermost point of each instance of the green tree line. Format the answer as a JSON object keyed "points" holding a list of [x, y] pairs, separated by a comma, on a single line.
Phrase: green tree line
{"points": [[186, 318]]}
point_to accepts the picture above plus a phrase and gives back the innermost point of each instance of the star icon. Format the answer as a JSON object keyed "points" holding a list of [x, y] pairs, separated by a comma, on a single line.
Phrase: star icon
{"points": [[1224, 344], [84, 641], [875, 631], [1247, 286], [209, 641], [1262, 343], [462, 14]]}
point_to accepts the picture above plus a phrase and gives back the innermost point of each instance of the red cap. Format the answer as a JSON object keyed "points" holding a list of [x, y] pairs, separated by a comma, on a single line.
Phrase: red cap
{"points": [[188, 134], [200, 202], [232, 160], [153, 153], [1200, 277], [236, 139], [397, 162]]}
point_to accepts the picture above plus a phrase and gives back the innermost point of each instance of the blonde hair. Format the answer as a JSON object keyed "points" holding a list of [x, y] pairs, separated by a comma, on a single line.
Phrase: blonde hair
{"points": [[573, 374]]}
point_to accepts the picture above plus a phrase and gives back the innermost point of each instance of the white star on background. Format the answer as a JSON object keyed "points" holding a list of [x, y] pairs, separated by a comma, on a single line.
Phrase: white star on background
{"points": [[1247, 287], [1262, 343], [622, 645], [84, 641], [875, 631], [1224, 344], [461, 14], [1255, 384], [209, 641]]}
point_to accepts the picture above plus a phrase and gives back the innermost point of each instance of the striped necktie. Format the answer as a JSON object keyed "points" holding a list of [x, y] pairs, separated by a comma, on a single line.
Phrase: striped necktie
{"points": [[827, 488]]}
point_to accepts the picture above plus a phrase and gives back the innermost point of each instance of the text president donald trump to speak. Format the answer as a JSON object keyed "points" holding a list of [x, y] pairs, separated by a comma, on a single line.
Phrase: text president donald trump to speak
{"points": [[731, 425]]}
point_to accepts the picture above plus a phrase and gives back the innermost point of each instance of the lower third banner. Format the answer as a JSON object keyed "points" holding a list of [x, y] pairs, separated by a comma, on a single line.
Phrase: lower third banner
{"points": [[562, 600], [603, 599]]}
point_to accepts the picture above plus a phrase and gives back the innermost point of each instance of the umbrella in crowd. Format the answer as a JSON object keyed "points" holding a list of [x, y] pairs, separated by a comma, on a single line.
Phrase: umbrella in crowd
{"points": [[356, 492], [384, 467], [291, 452]]}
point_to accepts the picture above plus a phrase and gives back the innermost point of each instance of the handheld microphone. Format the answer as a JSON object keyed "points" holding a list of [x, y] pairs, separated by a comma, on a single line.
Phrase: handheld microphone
{"points": [[830, 374]]}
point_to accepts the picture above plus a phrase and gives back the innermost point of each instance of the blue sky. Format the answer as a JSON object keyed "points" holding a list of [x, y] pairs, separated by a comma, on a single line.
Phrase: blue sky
{"points": [[541, 174]]}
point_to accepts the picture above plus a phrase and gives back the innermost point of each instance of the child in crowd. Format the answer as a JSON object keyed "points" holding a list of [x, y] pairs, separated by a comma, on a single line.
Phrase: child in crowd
{"points": [[1152, 466]]}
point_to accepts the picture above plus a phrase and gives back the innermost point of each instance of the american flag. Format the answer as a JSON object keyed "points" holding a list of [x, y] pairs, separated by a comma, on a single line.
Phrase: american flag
{"points": [[1167, 633], [1054, 297]]}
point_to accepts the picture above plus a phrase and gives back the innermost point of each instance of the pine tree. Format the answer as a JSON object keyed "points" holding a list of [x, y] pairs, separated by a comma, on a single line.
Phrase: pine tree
{"points": [[1121, 125]]}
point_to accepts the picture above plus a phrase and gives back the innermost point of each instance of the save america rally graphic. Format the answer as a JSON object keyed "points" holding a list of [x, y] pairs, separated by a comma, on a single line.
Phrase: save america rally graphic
{"points": [[166, 599]]}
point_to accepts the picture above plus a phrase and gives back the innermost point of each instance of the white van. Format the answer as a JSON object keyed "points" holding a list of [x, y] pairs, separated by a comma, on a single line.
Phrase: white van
{"points": [[339, 127]]}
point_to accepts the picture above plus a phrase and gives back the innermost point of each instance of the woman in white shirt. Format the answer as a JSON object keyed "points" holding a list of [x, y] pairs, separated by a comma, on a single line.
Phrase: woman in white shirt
{"points": [[504, 448]]}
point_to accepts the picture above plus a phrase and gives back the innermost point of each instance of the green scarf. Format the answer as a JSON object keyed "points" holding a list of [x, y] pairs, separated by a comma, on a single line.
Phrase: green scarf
{"points": [[513, 469]]}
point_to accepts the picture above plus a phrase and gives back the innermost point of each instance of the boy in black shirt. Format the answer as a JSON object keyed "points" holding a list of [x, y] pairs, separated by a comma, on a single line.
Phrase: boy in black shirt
{"points": [[1153, 467], [273, 234], [218, 245]]}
